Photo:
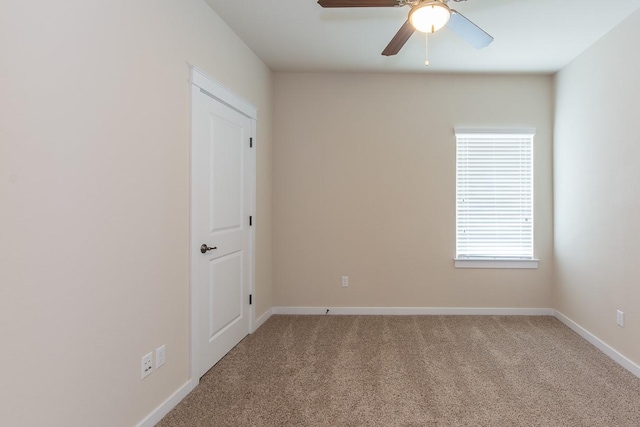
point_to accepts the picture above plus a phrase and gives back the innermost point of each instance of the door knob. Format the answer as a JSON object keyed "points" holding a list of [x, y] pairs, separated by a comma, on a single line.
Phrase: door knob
{"points": [[204, 248]]}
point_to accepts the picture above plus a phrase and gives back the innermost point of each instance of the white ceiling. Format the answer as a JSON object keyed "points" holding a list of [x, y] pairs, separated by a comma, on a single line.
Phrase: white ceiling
{"points": [[539, 36]]}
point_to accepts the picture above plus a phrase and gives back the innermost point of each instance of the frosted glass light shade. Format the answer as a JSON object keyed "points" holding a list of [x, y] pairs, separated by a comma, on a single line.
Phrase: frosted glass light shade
{"points": [[429, 17]]}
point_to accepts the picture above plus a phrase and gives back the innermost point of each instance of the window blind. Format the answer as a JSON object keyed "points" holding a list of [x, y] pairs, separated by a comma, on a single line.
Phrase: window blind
{"points": [[494, 192]]}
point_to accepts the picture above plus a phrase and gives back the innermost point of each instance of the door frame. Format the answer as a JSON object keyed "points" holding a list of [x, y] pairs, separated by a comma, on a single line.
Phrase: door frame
{"points": [[202, 83]]}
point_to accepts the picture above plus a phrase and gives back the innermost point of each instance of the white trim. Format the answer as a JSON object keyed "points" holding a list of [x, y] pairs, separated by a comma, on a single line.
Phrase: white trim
{"points": [[163, 409], [494, 131], [194, 206], [415, 311], [496, 263], [221, 93], [252, 230], [260, 321], [615, 355]]}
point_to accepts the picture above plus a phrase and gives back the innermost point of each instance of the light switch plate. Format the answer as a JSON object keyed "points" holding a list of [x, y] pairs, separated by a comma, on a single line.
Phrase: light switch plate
{"points": [[160, 356], [620, 319]]}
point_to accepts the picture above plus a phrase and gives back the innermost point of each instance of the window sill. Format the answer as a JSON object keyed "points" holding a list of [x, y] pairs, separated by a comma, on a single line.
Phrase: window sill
{"points": [[496, 263]]}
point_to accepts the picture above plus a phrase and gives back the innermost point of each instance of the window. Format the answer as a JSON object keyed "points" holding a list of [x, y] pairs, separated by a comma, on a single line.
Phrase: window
{"points": [[494, 199]]}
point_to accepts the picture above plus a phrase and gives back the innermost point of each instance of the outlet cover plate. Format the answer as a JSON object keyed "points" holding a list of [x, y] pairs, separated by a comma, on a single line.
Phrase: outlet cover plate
{"points": [[147, 366]]}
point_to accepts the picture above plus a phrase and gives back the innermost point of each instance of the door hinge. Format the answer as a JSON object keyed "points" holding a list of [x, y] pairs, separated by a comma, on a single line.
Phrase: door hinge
{"points": [[250, 221], [250, 142], [250, 299]]}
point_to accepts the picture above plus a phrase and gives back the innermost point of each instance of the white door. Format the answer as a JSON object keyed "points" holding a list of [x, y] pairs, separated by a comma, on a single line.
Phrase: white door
{"points": [[223, 171]]}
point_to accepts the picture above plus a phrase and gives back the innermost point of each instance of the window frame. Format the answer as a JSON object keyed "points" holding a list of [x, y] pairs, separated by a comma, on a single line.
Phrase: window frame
{"points": [[497, 261]]}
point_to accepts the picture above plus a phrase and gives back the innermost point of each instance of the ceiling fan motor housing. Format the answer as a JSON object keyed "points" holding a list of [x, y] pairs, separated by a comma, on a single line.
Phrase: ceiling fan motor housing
{"points": [[429, 16]]}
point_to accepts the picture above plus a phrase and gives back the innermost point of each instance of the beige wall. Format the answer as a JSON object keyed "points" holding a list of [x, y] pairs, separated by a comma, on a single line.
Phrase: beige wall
{"points": [[94, 200], [364, 186], [597, 200]]}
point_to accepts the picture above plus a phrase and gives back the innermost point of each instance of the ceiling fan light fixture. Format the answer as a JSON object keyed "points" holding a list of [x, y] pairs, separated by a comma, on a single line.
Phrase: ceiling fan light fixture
{"points": [[429, 17]]}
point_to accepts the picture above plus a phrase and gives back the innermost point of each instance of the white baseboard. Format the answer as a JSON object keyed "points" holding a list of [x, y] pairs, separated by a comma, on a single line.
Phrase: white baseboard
{"points": [[415, 311], [260, 320], [163, 409], [599, 344]]}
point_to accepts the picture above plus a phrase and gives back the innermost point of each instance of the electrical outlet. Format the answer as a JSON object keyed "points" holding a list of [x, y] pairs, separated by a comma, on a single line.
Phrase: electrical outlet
{"points": [[147, 366], [345, 281], [620, 318], [160, 356]]}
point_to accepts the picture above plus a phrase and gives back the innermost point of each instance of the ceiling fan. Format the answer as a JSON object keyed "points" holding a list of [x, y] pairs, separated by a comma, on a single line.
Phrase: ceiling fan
{"points": [[427, 16]]}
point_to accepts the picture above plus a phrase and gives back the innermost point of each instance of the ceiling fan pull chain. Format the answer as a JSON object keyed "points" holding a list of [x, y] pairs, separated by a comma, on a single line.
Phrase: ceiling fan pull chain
{"points": [[426, 49]]}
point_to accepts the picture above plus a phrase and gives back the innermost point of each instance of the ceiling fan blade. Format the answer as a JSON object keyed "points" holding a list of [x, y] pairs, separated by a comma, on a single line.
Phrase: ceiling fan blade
{"points": [[399, 39], [358, 3], [468, 31]]}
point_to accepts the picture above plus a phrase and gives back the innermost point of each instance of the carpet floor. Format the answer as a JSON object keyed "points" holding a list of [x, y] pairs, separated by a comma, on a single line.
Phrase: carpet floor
{"points": [[412, 371]]}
